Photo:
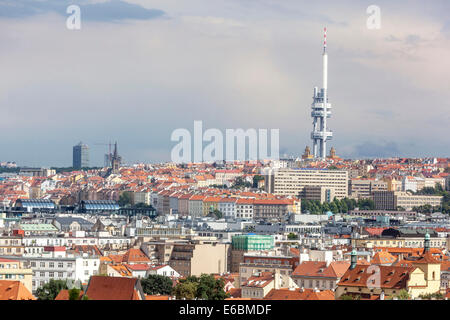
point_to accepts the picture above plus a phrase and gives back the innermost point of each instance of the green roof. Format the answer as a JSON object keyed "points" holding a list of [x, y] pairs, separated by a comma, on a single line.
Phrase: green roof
{"points": [[38, 227]]}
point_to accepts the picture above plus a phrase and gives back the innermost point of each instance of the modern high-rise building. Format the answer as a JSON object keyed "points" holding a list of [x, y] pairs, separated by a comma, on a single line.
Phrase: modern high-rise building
{"points": [[80, 156], [321, 110]]}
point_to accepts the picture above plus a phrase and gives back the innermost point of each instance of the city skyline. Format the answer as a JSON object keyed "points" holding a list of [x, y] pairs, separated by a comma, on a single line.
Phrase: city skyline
{"points": [[244, 65]]}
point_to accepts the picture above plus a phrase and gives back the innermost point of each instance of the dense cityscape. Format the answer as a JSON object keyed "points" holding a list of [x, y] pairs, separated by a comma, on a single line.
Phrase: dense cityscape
{"points": [[354, 219], [296, 229]]}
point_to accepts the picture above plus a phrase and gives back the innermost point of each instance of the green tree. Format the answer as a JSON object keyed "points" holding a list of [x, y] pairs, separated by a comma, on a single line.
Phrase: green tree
{"points": [[185, 290], [256, 179], [125, 199], [344, 208], [333, 207], [157, 284], [366, 204], [50, 290], [403, 295], [205, 287], [240, 183], [292, 236], [210, 288], [74, 294]]}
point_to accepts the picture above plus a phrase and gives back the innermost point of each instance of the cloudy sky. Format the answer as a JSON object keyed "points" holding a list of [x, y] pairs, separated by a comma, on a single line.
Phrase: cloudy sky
{"points": [[139, 69]]}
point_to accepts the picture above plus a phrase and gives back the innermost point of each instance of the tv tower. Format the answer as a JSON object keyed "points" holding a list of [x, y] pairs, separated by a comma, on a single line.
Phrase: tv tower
{"points": [[321, 110]]}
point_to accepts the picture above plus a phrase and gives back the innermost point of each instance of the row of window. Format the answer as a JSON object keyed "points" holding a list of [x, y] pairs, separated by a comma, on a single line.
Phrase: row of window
{"points": [[51, 264], [8, 266], [11, 276]]}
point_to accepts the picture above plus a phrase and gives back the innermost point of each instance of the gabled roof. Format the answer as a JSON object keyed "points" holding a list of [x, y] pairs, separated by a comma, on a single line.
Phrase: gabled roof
{"points": [[383, 257], [390, 277], [14, 290], [135, 255], [299, 294], [427, 258], [113, 288], [64, 295], [320, 269]]}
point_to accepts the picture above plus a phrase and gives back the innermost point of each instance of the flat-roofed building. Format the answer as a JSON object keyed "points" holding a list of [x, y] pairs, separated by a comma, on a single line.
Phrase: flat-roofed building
{"points": [[242, 244], [407, 201], [322, 194], [363, 188], [291, 182], [391, 200]]}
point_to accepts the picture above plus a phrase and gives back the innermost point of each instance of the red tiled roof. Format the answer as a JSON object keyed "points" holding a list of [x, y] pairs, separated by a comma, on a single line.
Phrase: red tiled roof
{"points": [[299, 294], [112, 288], [64, 295], [320, 269], [14, 290], [390, 277]]}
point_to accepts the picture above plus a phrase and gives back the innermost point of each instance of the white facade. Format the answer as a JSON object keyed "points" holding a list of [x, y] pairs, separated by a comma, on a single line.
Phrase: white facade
{"points": [[37, 241], [244, 211], [166, 270], [228, 208], [69, 268]]}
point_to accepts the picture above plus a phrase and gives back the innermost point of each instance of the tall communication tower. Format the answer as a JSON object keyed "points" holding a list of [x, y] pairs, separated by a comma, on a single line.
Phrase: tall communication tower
{"points": [[321, 110]]}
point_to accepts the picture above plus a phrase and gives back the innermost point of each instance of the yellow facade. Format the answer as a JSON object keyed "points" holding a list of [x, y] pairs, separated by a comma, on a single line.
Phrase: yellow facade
{"points": [[14, 270]]}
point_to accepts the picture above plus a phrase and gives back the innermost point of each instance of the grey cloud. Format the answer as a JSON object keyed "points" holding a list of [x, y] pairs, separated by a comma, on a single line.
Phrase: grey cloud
{"points": [[392, 38], [412, 39], [111, 11], [371, 149]]}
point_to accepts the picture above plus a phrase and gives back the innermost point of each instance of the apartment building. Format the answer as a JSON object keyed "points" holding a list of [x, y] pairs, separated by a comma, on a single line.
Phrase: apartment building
{"points": [[262, 262], [183, 204], [141, 197], [322, 275], [224, 176], [363, 188], [210, 204], [228, 207], [317, 193], [271, 209], [190, 257], [196, 205], [244, 209], [291, 182], [11, 245], [242, 244], [407, 201], [391, 200], [11, 269]]}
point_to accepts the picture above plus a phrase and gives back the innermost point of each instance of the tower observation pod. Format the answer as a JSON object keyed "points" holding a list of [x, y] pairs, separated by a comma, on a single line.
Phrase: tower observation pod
{"points": [[321, 110]]}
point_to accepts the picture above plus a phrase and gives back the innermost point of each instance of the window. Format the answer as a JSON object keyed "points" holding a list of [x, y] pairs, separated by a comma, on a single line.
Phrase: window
{"points": [[60, 274], [51, 264], [51, 274], [42, 264]]}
